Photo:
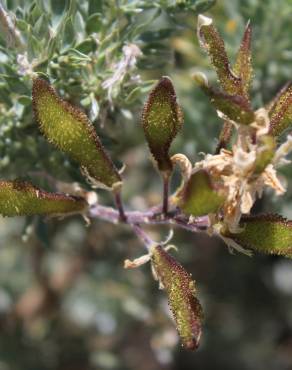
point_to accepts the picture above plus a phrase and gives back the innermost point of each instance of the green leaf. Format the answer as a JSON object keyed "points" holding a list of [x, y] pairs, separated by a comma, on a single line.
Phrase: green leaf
{"points": [[138, 91], [150, 36], [243, 64], [162, 119], [203, 5], [265, 233], [213, 43], [94, 23], [19, 198], [24, 100], [86, 46], [198, 197], [181, 292], [233, 107], [281, 112], [69, 129]]}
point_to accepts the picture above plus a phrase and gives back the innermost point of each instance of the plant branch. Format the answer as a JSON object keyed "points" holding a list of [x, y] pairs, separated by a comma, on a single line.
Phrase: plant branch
{"points": [[149, 217], [165, 177], [120, 207], [146, 240]]}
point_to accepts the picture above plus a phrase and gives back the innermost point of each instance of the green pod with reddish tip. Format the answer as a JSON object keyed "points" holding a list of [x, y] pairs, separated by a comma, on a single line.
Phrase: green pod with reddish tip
{"points": [[213, 43], [233, 107], [181, 292], [69, 129], [281, 112], [162, 119], [243, 64], [267, 233], [20, 198], [199, 198]]}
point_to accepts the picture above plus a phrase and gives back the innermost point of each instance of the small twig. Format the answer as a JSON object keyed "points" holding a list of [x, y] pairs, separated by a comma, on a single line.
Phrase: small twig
{"points": [[146, 240], [151, 216], [166, 178], [120, 207], [148, 217]]}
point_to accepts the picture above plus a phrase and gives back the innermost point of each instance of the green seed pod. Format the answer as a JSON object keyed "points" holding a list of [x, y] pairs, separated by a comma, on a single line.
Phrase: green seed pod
{"points": [[233, 107], [162, 119], [265, 233], [243, 65], [69, 129], [181, 292], [198, 198], [19, 198], [281, 112], [213, 43]]}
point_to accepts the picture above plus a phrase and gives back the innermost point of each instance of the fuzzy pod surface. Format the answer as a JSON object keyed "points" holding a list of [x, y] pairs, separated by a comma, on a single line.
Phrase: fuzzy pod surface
{"points": [[20, 198], [70, 130], [162, 119], [181, 292]]}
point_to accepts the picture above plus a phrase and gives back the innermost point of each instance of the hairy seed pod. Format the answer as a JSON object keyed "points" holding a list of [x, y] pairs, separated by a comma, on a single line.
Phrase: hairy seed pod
{"points": [[266, 233], [243, 64], [19, 198], [233, 107], [162, 119], [181, 292], [199, 198], [69, 129], [213, 43], [281, 112]]}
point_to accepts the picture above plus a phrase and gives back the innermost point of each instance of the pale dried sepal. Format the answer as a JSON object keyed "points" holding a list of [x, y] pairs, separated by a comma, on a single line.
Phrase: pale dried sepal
{"points": [[283, 150], [184, 164], [137, 262], [217, 229], [261, 122], [270, 179], [186, 169]]}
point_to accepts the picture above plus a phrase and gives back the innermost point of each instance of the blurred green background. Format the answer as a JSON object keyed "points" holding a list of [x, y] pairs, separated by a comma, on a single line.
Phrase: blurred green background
{"points": [[66, 303]]}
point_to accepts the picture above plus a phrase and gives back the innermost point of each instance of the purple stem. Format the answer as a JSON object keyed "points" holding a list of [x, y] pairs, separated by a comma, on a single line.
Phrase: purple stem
{"points": [[120, 207], [148, 217], [165, 193], [146, 240]]}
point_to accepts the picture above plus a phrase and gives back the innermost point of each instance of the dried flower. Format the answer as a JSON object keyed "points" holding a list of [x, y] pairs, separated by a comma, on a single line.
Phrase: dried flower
{"points": [[128, 61]]}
